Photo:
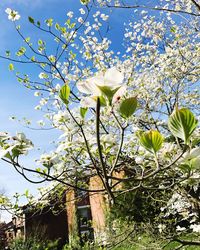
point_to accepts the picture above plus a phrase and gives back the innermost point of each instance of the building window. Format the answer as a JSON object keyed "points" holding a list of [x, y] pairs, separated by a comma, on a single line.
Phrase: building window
{"points": [[84, 219]]}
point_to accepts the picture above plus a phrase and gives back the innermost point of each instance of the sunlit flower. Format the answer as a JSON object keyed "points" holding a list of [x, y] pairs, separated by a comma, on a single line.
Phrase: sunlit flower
{"points": [[82, 11], [191, 157], [4, 152], [38, 107], [161, 227], [43, 75], [104, 17], [41, 123], [18, 144], [111, 80], [195, 228], [37, 93], [4, 136], [43, 101], [48, 159], [80, 20], [180, 229], [12, 14], [70, 14]]}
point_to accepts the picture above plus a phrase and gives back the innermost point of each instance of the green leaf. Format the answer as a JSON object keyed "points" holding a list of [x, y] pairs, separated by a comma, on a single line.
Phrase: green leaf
{"points": [[102, 100], [40, 42], [173, 29], [27, 39], [33, 59], [68, 22], [11, 67], [57, 26], [21, 51], [7, 53], [151, 140], [26, 193], [185, 168], [108, 92], [128, 107], [195, 142], [31, 20], [49, 22], [64, 93], [83, 112], [182, 123], [84, 2]]}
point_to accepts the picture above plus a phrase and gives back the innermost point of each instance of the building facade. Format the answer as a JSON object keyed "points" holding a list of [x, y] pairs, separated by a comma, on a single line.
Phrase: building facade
{"points": [[79, 215]]}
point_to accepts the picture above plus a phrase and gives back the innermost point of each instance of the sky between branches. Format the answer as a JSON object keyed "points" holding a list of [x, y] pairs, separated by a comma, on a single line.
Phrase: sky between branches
{"points": [[17, 101]]}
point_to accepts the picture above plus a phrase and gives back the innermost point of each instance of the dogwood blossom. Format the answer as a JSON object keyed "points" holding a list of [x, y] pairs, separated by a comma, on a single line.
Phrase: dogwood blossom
{"points": [[19, 143], [111, 80], [191, 157], [12, 14], [195, 228]]}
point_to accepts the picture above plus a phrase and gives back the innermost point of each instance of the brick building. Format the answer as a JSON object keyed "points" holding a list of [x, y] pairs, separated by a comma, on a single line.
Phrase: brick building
{"points": [[78, 214]]}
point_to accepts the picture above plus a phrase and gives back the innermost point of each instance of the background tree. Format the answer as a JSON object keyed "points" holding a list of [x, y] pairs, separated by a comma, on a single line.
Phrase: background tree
{"points": [[113, 107]]}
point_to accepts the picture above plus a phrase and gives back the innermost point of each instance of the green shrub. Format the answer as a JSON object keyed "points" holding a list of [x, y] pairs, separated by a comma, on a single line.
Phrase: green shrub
{"points": [[33, 244]]}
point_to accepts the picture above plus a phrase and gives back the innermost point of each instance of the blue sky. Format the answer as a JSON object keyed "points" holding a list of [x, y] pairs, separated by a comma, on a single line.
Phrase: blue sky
{"points": [[17, 101]]}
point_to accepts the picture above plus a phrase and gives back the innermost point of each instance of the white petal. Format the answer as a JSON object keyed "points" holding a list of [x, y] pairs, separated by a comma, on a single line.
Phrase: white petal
{"points": [[120, 92], [8, 11], [88, 87], [3, 152], [195, 152], [98, 79], [113, 77], [88, 102]]}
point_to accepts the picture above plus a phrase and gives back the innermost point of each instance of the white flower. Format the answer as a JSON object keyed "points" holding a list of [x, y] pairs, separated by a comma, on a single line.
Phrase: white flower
{"points": [[12, 14], [21, 138], [12, 118], [4, 136], [80, 20], [41, 123], [43, 101], [139, 159], [70, 14], [52, 58], [195, 228], [4, 152], [82, 11], [180, 229], [108, 139], [161, 227], [38, 107], [111, 80], [49, 159], [143, 12], [192, 157], [37, 94], [17, 145], [57, 87], [43, 75], [104, 17]]}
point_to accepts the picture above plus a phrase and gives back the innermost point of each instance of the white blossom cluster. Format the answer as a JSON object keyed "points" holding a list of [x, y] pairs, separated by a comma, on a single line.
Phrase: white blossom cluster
{"points": [[12, 146], [158, 64]]}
